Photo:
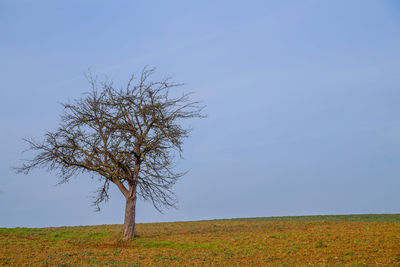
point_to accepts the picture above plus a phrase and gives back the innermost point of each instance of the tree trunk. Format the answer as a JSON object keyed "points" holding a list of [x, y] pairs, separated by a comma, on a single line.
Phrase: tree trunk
{"points": [[129, 222]]}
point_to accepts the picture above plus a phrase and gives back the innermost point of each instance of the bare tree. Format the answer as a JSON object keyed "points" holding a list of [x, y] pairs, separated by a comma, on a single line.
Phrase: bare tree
{"points": [[128, 137]]}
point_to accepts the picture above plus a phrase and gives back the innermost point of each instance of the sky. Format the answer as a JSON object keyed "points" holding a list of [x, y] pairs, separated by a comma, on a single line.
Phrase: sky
{"points": [[302, 99]]}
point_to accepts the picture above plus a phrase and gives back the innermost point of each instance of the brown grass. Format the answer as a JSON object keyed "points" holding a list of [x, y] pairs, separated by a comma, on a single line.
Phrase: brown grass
{"points": [[207, 243]]}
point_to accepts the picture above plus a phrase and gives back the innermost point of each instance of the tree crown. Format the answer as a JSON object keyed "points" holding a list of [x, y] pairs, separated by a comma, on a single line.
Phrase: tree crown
{"points": [[126, 136]]}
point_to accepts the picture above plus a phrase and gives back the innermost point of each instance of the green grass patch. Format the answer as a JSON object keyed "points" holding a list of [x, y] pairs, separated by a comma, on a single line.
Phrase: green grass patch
{"points": [[22, 231], [56, 233], [327, 218], [73, 234]]}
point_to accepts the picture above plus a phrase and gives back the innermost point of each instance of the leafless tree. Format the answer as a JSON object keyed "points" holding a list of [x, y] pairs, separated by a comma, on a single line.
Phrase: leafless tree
{"points": [[128, 137]]}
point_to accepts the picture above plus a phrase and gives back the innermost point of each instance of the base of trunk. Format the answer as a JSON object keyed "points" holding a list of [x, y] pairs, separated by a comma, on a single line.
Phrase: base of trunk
{"points": [[129, 222]]}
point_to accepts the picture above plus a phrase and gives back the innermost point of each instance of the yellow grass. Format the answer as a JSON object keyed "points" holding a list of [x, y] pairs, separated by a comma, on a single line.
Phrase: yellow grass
{"points": [[207, 243]]}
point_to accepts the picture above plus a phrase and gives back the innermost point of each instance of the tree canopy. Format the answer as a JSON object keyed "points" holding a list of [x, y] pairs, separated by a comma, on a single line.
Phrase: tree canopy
{"points": [[128, 137]]}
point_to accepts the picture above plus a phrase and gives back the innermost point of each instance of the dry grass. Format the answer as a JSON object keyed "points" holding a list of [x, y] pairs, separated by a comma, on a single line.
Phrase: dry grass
{"points": [[242, 242]]}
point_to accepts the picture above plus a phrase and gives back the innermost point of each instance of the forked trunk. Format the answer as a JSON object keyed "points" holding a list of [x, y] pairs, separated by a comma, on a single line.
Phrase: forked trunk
{"points": [[129, 222]]}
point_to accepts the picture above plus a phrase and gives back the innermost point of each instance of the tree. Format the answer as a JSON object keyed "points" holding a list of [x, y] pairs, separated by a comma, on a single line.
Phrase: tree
{"points": [[128, 137]]}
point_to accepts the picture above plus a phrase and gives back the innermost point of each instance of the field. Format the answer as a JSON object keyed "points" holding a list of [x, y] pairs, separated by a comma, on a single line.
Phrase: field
{"points": [[351, 240]]}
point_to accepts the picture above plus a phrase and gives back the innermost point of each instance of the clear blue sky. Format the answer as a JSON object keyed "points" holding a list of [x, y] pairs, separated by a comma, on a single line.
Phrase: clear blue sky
{"points": [[302, 101]]}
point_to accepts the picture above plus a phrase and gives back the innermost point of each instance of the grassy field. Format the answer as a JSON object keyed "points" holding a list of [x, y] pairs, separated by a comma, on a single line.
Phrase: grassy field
{"points": [[343, 240]]}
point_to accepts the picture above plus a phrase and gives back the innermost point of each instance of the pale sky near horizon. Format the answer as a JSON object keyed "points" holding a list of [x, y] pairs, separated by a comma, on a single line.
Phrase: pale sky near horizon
{"points": [[302, 102]]}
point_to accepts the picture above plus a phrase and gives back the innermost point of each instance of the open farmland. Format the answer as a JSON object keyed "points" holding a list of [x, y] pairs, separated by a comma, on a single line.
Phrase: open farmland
{"points": [[317, 240]]}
